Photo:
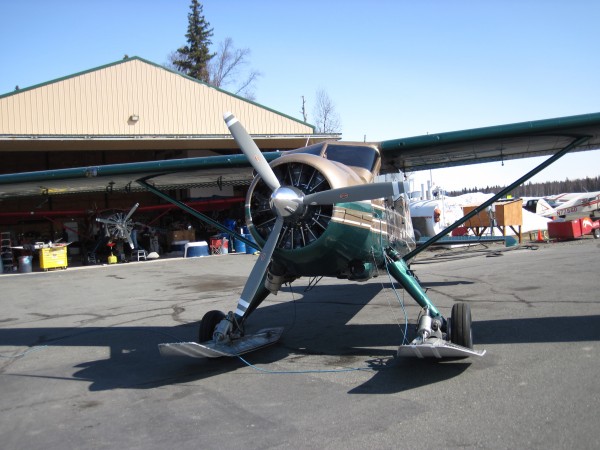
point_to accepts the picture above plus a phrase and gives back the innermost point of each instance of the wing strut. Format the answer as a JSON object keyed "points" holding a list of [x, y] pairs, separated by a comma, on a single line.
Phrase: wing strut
{"points": [[197, 214], [502, 193]]}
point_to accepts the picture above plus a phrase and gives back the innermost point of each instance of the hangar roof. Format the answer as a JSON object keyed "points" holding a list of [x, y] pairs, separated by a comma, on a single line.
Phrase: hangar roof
{"points": [[136, 104]]}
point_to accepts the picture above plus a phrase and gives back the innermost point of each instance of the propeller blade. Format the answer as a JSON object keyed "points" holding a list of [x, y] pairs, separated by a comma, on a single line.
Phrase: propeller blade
{"points": [[107, 221], [130, 242], [131, 211], [251, 151], [260, 268], [354, 193]]}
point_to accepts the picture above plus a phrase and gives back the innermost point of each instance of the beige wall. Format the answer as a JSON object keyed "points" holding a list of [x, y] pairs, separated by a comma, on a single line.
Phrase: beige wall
{"points": [[100, 102]]}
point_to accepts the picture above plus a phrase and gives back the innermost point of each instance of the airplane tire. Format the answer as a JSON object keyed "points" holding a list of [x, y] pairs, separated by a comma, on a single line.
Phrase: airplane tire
{"points": [[208, 324], [460, 331]]}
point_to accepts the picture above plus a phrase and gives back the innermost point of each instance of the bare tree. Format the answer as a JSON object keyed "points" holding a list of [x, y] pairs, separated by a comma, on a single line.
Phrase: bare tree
{"points": [[228, 67], [327, 119]]}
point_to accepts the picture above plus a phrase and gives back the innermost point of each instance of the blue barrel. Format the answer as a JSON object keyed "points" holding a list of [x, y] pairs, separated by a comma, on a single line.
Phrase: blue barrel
{"points": [[240, 246], [250, 250]]}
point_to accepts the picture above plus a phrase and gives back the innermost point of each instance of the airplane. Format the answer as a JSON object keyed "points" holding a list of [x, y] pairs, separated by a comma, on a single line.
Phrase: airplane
{"points": [[576, 205], [319, 211], [539, 206], [567, 205]]}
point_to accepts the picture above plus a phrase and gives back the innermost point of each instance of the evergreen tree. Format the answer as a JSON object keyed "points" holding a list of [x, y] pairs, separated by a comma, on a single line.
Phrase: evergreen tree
{"points": [[193, 58], [542, 189]]}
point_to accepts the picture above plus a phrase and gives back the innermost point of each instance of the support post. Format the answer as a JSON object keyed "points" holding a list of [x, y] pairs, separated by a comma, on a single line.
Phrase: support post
{"points": [[400, 271]]}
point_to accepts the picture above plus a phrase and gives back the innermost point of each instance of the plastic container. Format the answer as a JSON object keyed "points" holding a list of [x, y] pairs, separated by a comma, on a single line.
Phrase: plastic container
{"points": [[25, 264], [194, 249], [239, 246], [224, 246], [250, 250]]}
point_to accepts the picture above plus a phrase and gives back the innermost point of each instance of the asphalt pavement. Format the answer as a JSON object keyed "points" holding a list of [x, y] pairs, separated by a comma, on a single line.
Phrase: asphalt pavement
{"points": [[80, 366]]}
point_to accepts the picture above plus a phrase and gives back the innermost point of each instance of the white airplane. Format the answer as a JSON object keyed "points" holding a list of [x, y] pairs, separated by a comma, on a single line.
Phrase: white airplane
{"points": [[575, 205]]}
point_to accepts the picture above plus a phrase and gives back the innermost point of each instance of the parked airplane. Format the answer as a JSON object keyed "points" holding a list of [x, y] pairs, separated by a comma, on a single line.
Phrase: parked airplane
{"points": [[538, 205], [566, 206], [576, 205], [317, 211]]}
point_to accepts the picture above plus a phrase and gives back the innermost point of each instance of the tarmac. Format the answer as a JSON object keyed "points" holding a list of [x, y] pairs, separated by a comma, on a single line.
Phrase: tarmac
{"points": [[80, 367]]}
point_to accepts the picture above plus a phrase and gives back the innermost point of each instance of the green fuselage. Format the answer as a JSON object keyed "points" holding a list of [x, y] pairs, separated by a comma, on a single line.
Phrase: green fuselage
{"points": [[353, 236]]}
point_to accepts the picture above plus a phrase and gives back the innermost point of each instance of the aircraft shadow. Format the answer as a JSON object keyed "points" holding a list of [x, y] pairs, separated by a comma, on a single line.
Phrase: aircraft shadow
{"points": [[532, 330], [314, 325]]}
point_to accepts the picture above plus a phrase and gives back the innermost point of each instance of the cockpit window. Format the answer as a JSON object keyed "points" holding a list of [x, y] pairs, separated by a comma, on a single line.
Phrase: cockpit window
{"points": [[362, 156], [353, 155]]}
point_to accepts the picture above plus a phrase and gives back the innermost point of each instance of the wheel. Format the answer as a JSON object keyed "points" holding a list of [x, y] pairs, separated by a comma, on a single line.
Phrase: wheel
{"points": [[208, 324], [460, 330], [596, 233]]}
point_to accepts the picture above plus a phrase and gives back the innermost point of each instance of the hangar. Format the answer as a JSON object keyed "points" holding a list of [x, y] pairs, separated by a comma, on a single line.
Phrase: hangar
{"points": [[131, 110]]}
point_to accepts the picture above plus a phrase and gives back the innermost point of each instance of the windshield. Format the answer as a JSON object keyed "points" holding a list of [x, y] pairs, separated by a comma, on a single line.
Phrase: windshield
{"points": [[353, 155], [362, 156]]}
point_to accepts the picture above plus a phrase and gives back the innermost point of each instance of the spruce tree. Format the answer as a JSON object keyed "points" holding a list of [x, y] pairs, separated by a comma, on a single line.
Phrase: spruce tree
{"points": [[192, 59]]}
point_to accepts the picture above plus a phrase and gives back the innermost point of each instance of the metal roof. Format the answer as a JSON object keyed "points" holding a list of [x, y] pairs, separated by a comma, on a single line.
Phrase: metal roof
{"points": [[137, 104]]}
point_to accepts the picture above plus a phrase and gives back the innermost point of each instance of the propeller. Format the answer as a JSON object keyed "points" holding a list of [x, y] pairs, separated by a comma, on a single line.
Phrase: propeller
{"points": [[288, 201], [119, 226], [251, 151], [260, 268], [354, 193]]}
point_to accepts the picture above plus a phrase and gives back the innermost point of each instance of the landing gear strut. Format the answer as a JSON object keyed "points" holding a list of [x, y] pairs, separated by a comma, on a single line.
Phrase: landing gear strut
{"points": [[455, 340]]}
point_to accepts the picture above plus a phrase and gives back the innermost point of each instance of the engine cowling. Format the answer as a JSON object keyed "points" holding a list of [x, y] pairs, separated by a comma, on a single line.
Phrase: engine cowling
{"points": [[306, 174]]}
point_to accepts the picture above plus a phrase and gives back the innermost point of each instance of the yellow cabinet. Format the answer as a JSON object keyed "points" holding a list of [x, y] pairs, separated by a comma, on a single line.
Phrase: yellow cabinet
{"points": [[53, 258]]}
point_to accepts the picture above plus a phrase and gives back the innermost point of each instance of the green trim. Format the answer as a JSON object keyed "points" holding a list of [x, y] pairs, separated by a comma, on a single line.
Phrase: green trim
{"points": [[166, 166], [328, 255], [122, 61], [400, 271], [496, 132]]}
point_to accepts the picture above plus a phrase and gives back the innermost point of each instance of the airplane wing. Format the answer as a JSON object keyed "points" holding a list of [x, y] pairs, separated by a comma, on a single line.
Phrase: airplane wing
{"points": [[496, 143], [174, 174], [503, 142]]}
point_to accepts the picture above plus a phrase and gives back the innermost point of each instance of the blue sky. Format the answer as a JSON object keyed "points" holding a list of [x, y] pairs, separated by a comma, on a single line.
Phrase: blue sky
{"points": [[391, 68]]}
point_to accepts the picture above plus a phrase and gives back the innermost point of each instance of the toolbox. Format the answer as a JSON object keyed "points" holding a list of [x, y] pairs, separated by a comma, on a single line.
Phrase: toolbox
{"points": [[53, 258]]}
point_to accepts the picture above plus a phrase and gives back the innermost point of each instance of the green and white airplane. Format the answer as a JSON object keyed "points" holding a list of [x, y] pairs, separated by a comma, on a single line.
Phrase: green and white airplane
{"points": [[318, 211]]}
